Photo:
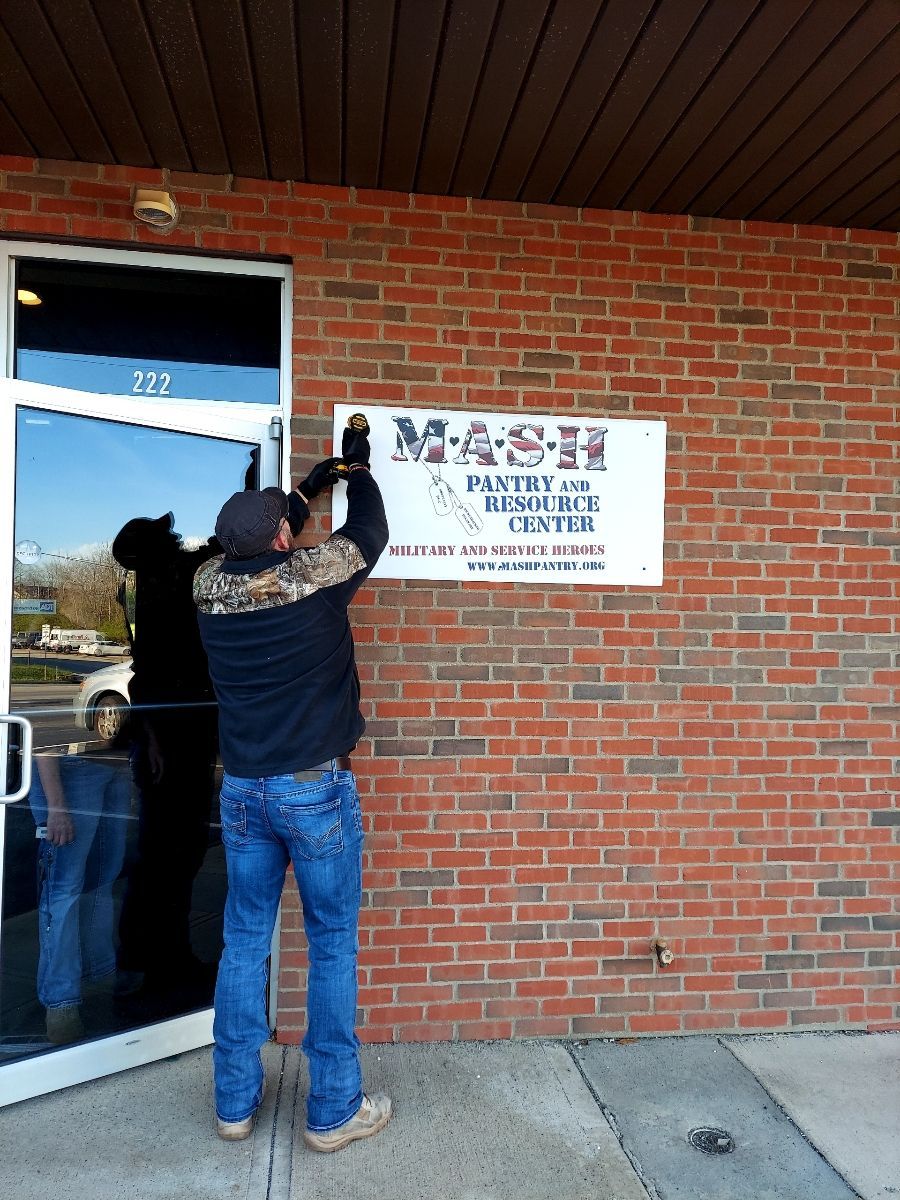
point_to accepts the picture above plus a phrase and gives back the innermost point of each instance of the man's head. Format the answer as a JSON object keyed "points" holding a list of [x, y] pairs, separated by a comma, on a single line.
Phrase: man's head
{"points": [[145, 541], [250, 523]]}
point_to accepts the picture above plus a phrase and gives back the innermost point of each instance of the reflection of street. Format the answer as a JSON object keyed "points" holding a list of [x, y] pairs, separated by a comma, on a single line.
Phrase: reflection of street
{"points": [[48, 706], [78, 664]]}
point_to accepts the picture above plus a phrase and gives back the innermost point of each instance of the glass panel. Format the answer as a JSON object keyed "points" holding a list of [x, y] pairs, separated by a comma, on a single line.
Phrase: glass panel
{"points": [[113, 873], [149, 333]]}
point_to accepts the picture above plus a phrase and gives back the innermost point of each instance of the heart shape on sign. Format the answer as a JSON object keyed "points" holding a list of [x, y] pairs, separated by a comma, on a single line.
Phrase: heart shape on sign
{"points": [[551, 445], [454, 441], [498, 442]]}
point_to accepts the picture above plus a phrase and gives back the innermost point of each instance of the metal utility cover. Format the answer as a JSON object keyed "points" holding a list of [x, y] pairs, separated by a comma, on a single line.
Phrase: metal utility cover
{"points": [[659, 1089]]}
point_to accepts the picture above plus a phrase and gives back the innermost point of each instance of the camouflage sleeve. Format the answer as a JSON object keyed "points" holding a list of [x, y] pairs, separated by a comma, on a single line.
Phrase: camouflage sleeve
{"points": [[334, 561], [204, 580], [300, 574]]}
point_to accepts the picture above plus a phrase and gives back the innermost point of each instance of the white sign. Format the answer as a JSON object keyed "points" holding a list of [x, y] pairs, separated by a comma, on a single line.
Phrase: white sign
{"points": [[21, 607], [531, 497], [28, 553]]}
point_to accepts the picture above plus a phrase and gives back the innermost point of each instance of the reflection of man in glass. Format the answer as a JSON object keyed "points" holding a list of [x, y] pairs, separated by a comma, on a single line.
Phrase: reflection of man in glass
{"points": [[173, 758], [80, 804]]}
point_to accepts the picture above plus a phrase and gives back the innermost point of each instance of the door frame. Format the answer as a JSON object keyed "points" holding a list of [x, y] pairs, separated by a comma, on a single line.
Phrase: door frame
{"points": [[12, 250], [68, 1065]]}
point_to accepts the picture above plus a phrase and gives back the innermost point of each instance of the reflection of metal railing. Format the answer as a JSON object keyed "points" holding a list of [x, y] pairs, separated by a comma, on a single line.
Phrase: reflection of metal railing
{"points": [[18, 751]]}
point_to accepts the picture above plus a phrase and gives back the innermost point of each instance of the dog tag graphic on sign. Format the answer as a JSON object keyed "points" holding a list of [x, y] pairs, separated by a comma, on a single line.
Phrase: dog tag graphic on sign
{"points": [[467, 517], [441, 498]]}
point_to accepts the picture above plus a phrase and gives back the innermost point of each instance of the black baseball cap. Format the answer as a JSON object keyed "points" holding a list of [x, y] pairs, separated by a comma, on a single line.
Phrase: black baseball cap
{"points": [[248, 522], [140, 537]]}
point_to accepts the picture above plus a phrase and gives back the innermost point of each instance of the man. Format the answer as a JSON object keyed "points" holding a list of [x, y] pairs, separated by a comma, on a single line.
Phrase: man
{"points": [[274, 624]]}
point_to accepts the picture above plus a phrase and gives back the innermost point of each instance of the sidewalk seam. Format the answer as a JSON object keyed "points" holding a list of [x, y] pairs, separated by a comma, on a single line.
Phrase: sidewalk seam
{"points": [[290, 1169], [262, 1146], [610, 1118], [723, 1042], [272, 1149], [281, 1160], [272, 1135]]}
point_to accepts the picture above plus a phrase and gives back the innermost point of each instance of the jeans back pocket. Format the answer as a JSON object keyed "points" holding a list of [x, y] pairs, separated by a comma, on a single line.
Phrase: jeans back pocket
{"points": [[315, 828], [233, 815]]}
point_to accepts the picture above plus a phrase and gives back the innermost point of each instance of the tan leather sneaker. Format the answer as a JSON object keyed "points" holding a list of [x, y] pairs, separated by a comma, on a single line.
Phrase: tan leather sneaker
{"points": [[371, 1117], [237, 1131]]}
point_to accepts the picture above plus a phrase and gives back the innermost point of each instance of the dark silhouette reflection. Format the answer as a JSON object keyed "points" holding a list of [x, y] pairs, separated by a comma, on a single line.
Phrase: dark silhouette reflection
{"points": [[173, 730]]}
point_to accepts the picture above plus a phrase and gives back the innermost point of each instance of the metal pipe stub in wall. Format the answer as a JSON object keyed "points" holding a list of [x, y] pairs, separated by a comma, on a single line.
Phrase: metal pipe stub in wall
{"points": [[663, 951]]}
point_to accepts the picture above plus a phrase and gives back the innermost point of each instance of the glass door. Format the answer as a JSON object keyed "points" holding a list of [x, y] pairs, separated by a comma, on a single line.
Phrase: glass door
{"points": [[111, 874]]}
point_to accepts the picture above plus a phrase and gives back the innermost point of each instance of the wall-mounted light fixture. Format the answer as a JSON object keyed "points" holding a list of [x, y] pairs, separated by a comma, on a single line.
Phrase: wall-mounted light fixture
{"points": [[157, 209], [24, 296]]}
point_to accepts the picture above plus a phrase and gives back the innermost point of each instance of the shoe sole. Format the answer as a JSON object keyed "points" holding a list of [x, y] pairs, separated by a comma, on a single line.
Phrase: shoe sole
{"points": [[330, 1147]]}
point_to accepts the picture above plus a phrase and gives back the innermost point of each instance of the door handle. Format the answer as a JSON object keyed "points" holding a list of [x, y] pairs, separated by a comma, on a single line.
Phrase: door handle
{"points": [[24, 752]]}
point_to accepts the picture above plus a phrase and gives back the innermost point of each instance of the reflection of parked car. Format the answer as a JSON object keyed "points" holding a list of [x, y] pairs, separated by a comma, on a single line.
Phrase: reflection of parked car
{"points": [[101, 703], [70, 640], [101, 647], [18, 641]]}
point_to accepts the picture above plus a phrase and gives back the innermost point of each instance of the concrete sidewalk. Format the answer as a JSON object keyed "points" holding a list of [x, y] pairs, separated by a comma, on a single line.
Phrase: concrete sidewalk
{"points": [[809, 1115]]}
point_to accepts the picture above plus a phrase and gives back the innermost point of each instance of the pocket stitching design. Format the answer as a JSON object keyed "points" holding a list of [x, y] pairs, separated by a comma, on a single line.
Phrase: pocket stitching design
{"points": [[236, 829], [308, 845]]}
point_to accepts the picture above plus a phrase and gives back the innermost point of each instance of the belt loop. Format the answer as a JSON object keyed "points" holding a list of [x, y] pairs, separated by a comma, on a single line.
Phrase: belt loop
{"points": [[334, 770]]}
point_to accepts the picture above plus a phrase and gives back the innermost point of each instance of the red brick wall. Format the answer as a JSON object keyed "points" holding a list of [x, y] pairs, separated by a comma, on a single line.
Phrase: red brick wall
{"points": [[559, 774]]}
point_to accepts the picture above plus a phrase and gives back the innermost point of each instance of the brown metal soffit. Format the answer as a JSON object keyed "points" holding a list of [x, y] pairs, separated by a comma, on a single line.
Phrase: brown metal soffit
{"points": [[781, 110]]}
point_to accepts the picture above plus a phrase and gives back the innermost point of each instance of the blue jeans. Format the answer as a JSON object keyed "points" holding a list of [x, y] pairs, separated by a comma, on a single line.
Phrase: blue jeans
{"points": [[318, 827], [75, 908]]}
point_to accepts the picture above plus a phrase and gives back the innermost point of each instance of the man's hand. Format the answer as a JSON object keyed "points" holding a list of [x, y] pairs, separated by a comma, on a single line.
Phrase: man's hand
{"points": [[355, 445], [298, 513], [323, 475], [60, 827]]}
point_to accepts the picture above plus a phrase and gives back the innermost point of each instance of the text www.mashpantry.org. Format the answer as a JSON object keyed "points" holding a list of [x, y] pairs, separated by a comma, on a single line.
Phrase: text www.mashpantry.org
{"points": [[483, 567]]}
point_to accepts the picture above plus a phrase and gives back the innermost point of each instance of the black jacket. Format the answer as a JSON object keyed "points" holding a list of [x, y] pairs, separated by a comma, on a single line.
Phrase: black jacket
{"points": [[277, 636]]}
